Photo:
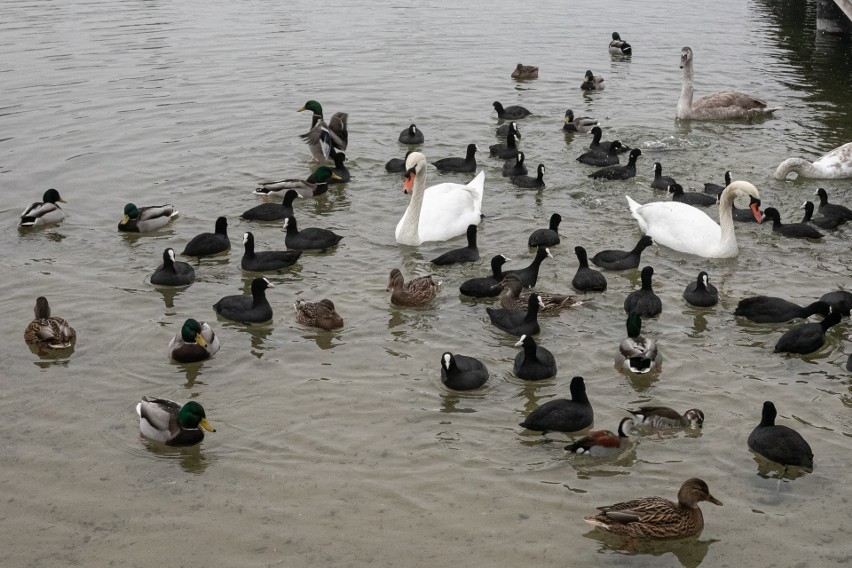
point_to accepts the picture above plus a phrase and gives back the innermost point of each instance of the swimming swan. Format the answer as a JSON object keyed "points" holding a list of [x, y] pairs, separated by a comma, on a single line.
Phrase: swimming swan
{"points": [[439, 212], [687, 229], [833, 165], [718, 106]]}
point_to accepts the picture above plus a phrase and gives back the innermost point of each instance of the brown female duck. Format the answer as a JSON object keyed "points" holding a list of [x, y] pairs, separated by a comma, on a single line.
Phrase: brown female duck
{"points": [[318, 314], [48, 332], [416, 292], [511, 299]]}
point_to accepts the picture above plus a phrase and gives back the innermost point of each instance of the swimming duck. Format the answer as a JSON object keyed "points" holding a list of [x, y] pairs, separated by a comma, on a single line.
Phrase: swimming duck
{"points": [[145, 219], [411, 135], [441, 213], [315, 184], [318, 314], [172, 272], [525, 72], [778, 443], [833, 165], [469, 253], [770, 309], [534, 362], [511, 298], [603, 145], [716, 189], [687, 229], [619, 172], [597, 158], [618, 46], [517, 322], [562, 414], [460, 372], [602, 443], [313, 238], [822, 221], [808, 337], [591, 82], [656, 517], [483, 286], [587, 279], [194, 342], [581, 124], [718, 106], [416, 292], [514, 112], [660, 181], [45, 212], [693, 197], [644, 301], [622, 259], [701, 293], [456, 164], [792, 230], [832, 209], [272, 211], [166, 421], [507, 150], [266, 260], [321, 137], [663, 417], [247, 309], [515, 166], [528, 182], [636, 353], [546, 237], [48, 332], [529, 274], [206, 244]]}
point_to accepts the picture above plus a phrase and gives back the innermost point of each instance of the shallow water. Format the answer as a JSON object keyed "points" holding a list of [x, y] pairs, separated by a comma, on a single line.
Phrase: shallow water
{"points": [[343, 448]]}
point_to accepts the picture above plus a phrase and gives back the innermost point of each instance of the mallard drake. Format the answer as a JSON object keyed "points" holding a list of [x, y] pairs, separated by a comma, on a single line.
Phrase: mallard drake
{"points": [[511, 298], [266, 260], [619, 172], [313, 238], [562, 414], [457, 164], [771, 309], [315, 184], [273, 211], [587, 279], [529, 274], [822, 221], [660, 181], [470, 253], [581, 124], [247, 309], [318, 314], [166, 421], [483, 286], [533, 362], [664, 417], [832, 209], [517, 322], [694, 198], [460, 372], [623, 259], [637, 354], [194, 342], [778, 443], [618, 46], [48, 332], [205, 244], [145, 219], [411, 135], [600, 159], [835, 164], [656, 517], [45, 212], [514, 112], [416, 292], [546, 237], [700, 292], [601, 443], [172, 272], [530, 182], [718, 106], [592, 82], [791, 230], [808, 337], [321, 137], [525, 72], [644, 301], [515, 166]]}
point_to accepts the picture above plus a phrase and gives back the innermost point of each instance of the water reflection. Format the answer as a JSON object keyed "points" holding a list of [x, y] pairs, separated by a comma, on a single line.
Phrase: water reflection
{"points": [[690, 552], [771, 470], [190, 458]]}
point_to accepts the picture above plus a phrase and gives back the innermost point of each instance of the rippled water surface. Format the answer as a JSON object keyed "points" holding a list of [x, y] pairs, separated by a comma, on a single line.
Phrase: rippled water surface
{"points": [[344, 448]]}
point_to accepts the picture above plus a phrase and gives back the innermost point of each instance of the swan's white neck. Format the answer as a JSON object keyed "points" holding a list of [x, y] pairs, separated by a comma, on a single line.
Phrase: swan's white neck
{"points": [[799, 165], [409, 233], [684, 105]]}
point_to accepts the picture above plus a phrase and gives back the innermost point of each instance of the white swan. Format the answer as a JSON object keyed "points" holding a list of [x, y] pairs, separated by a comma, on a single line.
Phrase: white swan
{"points": [[718, 106], [688, 229], [440, 212], [833, 165]]}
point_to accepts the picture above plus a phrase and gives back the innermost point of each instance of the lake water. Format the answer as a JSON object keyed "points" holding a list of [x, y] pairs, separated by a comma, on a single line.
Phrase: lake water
{"points": [[344, 448]]}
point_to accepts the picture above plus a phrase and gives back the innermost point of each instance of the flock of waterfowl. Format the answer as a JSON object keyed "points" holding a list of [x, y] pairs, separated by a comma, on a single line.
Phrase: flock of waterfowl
{"points": [[447, 210]]}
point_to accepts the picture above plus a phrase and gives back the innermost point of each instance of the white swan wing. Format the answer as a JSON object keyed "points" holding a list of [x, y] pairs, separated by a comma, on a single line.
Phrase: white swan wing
{"points": [[678, 226], [837, 163], [447, 210]]}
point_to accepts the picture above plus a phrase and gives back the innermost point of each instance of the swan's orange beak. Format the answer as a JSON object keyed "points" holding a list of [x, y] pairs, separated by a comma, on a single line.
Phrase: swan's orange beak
{"points": [[408, 181], [755, 209]]}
